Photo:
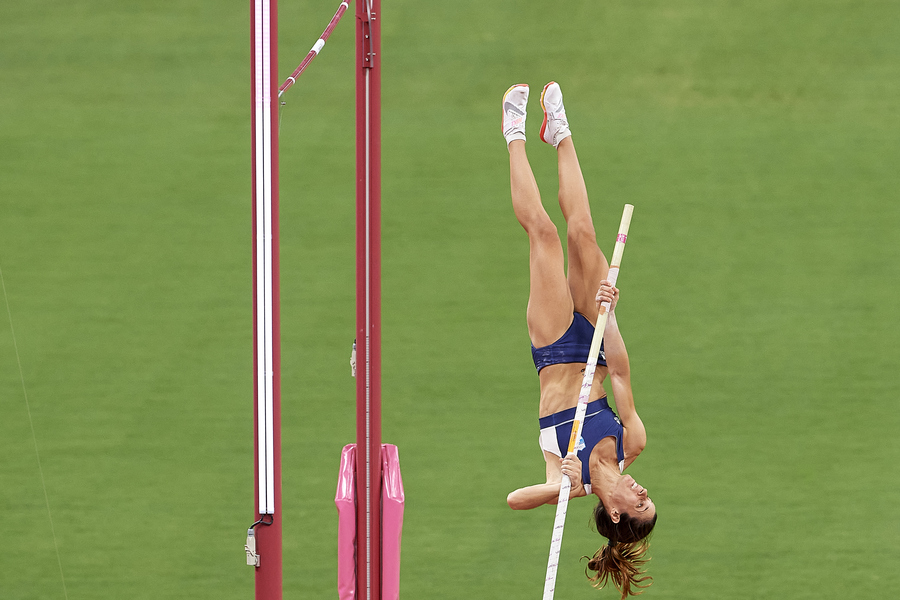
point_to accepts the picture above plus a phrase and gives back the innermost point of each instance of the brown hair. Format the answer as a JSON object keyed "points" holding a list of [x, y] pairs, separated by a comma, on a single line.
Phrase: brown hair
{"points": [[622, 558]]}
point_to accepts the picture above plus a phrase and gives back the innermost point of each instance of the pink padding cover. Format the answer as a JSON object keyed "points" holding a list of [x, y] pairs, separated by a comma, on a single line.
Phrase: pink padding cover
{"points": [[345, 499], [392, 499], [391, 521]]}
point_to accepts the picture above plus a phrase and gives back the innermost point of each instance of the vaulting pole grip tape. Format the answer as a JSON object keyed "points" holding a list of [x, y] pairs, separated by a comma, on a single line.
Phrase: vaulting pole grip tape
{"points": [[575, 441], [317, 47]]}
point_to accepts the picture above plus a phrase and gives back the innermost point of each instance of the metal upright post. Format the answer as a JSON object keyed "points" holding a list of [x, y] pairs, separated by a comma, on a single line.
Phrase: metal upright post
{"points": [[368, 298], [266, 325]]}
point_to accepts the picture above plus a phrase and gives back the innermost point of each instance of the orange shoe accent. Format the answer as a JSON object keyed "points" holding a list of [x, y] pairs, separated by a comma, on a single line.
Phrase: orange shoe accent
{"points": [[544, 124]]}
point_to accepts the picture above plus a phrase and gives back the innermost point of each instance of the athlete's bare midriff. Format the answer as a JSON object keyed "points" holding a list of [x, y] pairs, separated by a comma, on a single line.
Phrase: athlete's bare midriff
{"points": [[561, 386]]}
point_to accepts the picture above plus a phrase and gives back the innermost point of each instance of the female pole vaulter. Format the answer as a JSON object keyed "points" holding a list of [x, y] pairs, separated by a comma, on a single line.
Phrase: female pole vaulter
{"points": [[561, 315]]}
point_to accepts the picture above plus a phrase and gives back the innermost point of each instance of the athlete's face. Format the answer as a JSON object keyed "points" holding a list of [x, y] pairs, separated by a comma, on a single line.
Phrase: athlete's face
{"points": [[631, 498]]}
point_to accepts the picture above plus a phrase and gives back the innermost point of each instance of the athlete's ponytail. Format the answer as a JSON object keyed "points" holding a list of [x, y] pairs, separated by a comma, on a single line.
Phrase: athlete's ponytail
{"points": [[622, 558]]}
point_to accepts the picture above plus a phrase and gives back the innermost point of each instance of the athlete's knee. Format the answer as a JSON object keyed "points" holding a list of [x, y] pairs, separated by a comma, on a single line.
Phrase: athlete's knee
{"points": [[581, 233], [543, 231]]}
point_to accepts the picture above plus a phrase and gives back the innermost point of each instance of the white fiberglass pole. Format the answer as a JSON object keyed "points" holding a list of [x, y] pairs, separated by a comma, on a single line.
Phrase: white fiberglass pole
{"points": [[562, 506]]}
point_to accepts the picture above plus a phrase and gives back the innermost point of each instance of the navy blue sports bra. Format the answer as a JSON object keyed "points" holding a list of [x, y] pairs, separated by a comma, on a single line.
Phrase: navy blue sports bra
{"points": [[573, 347]]}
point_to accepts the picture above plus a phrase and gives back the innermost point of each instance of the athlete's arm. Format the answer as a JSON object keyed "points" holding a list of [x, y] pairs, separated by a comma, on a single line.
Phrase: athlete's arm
{"points": [[548, 493], [620, 377]]}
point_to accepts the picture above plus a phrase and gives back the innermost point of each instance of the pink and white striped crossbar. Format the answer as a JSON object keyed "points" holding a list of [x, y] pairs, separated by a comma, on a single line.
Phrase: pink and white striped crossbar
{"points": [[317, 47], [391, 527]]}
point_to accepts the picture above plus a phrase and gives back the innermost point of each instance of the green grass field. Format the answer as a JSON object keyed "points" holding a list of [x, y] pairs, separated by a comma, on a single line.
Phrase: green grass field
{"points": [[757, 140]]}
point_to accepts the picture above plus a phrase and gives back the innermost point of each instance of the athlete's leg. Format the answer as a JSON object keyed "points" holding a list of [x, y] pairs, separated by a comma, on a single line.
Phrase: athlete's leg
{"points": [[587, 265], [550, 305]]}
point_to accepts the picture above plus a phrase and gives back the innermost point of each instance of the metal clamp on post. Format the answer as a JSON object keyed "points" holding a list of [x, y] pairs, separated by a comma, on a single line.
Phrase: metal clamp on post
{"points": [[250, 549], [368, 55]]}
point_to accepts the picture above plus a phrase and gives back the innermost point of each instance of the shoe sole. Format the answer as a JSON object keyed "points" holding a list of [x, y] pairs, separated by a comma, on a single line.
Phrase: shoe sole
{"points": [[544, 124], [503, 102]]}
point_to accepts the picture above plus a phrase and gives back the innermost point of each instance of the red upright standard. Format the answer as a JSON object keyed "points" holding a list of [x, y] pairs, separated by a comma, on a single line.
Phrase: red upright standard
{"points": [[265, 535], [368, 298]]}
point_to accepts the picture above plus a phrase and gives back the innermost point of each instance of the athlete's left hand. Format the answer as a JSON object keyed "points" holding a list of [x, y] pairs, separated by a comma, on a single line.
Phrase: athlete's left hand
{"points": [[607, 293], [571, 467]]}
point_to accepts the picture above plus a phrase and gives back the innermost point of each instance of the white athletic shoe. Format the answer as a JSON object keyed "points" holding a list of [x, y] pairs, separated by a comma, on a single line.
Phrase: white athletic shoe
{"points": [[514, 102], [555, 127]]}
